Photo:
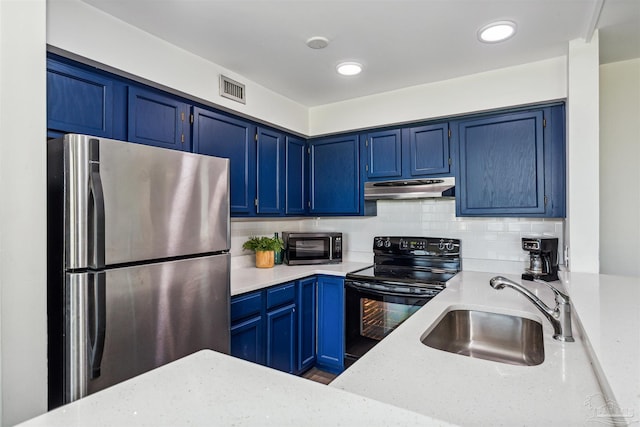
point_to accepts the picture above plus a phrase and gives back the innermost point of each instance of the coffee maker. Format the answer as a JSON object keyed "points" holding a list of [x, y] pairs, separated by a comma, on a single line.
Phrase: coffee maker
{"points": [[543, 258]]}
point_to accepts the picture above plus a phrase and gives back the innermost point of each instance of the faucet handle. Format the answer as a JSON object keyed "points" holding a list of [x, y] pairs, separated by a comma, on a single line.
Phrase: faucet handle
{"points": [[561, 297]]}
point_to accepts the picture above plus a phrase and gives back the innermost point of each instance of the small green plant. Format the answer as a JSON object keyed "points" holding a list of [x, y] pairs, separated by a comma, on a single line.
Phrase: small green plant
{"points": [[263, 243]]}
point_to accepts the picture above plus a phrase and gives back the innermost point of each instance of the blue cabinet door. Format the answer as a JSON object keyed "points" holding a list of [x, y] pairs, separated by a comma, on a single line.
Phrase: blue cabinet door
{"points": [[78, 101], [296, 176], [384, 154], [270, 151], [281, 338], [501, 165], [306, 304], [335, 176], [428, 150], [247, 340], [157, 119], [247, 327], [218, 135], [330, 354]]}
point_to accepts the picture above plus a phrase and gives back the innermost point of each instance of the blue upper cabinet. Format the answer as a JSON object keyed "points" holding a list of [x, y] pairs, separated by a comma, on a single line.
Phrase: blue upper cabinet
{"points": [[506, 164], [158, 120], [219, 135], [78, 101], [410, 152], [384, 154], [335, 176], [296, 176], [428, 150], [270, 149]]}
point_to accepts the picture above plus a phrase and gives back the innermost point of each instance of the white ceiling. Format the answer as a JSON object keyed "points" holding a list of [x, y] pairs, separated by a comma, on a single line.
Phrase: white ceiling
{"points": [[401, 43]]}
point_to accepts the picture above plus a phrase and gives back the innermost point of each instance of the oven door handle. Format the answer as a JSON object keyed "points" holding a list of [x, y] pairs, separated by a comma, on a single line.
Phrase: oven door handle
{"points": [[354, 285]]}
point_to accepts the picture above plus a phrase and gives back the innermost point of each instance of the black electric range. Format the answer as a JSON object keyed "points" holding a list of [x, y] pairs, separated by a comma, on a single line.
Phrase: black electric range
{"points": [[407, 273]]}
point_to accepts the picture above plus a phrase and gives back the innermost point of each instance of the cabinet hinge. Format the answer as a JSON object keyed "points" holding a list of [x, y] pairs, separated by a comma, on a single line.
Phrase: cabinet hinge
{"points": [[256, 137], [449, 133], [366, 142], [546, 200], [308, 150], [544, 123], [255, 202], [191, 118], [450, 162], [308, 204], [182, 138], [182, 116], [366, 168]]}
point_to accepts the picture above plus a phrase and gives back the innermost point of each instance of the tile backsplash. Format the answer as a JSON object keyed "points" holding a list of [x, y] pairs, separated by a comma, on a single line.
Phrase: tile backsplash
{"points": [[488, 244]]}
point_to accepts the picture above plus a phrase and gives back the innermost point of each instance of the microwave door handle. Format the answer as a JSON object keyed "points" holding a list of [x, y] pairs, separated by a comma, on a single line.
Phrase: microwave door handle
{"points": [[330, 248]]}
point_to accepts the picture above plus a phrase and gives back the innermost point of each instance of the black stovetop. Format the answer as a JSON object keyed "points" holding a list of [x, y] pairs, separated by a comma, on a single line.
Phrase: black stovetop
{"points": [[415, 261]]}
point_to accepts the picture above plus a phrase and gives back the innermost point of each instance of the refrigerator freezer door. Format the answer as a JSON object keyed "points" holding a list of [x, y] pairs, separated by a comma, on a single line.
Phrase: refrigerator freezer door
{"points": [[127, 202], [126, 321]]}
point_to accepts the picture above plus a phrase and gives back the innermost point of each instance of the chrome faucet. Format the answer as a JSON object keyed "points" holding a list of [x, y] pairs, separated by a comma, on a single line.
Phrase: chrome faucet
{"points": [[560, 316]]}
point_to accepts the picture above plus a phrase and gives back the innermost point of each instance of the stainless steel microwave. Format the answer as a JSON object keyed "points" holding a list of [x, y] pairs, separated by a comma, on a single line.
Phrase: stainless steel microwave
{"points": [[312, 248]]}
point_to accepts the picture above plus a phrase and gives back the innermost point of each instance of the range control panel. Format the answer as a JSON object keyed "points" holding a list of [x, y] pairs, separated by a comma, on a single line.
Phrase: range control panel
{"points": [[432, 246]]}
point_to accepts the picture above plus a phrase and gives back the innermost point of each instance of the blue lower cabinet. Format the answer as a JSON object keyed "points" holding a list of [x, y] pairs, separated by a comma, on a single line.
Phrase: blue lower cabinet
{"points": [[330, 352], [306, 303], [247, 327], [264, 327], [247, 340], [292, 326], [281, 338]]}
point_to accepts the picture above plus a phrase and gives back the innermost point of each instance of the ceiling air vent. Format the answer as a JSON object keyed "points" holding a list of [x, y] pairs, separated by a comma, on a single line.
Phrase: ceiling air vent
{"points": [[232, 89]]}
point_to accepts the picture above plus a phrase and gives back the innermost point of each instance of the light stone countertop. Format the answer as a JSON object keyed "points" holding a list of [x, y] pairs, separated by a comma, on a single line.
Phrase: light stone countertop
{"points": [[401, 381], [609, 311], [564, 390], [213, 389], [249, 278]]}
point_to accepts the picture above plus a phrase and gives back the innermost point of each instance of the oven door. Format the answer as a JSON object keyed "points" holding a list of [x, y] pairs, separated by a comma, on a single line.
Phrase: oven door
{"points": [[373, 310]]}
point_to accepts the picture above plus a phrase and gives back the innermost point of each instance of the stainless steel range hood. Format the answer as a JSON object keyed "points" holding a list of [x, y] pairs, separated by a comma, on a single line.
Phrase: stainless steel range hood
{"points": [[410, 189]]}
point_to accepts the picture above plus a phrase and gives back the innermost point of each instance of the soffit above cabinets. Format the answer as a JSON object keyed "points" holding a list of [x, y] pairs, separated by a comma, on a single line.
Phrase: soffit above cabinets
{"points": [[399, 43]]}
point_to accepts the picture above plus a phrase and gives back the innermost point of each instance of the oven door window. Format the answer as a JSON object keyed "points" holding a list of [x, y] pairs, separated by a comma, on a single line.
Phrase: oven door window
{"points": [[378, 318], [309, 248], [371, 315]]}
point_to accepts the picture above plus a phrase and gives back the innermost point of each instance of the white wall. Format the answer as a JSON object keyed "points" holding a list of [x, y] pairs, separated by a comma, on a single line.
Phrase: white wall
{"points": [[525, 84], [83, 30], [619, 171], [23, 327], [582, 234]]}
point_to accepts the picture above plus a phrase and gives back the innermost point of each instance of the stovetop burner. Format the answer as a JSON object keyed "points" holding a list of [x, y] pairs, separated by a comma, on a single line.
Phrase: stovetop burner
{"points": [[412, 261]]}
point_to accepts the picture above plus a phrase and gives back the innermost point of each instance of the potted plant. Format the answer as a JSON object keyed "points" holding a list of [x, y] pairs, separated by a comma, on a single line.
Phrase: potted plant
{"points": [[264, 248]]}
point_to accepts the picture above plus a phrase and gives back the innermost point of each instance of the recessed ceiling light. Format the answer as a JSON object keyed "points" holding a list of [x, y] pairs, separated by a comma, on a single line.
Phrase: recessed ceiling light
{"points": [[349, 68], [497, 31], [318, 42]]}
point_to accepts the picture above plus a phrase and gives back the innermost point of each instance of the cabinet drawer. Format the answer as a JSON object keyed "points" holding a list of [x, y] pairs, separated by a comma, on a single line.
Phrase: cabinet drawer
{"points": [[281, 295], [245, 305]]}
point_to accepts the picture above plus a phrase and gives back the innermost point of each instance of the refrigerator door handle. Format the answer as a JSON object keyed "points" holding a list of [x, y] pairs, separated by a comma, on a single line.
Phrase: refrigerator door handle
{"points": [[97, 321], [96, 209]]}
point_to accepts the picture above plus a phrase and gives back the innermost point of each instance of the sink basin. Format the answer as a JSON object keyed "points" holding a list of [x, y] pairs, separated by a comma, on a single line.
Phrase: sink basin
{"points": [[491, 336]]}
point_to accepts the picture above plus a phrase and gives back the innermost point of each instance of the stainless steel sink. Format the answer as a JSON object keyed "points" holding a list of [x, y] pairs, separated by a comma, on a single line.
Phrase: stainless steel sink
{"points": [[490, 336]]}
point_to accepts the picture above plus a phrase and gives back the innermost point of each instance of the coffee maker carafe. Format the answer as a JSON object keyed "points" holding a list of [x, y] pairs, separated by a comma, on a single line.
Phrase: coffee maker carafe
{"points": [[543, 258]]}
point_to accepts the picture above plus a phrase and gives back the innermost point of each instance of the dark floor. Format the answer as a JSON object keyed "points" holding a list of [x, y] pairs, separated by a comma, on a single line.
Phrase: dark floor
{"points": [[315, 374]]}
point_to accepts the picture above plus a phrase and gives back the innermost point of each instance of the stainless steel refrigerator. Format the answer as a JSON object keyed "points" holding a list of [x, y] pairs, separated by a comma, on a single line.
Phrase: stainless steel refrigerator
{"points": [[138, 260]]}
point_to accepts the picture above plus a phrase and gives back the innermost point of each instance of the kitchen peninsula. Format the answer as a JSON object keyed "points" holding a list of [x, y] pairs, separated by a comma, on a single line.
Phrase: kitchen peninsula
{"points": [[401, 381]]}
